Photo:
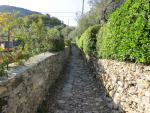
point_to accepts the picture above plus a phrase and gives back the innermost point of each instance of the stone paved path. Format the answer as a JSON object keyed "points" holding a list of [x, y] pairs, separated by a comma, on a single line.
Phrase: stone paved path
{"points": [[77, 91]]}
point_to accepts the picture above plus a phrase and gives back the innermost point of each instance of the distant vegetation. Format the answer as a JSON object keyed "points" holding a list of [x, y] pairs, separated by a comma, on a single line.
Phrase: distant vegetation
{"points": [[12, 9], [37, 32], [99, 13], [124, 33]]}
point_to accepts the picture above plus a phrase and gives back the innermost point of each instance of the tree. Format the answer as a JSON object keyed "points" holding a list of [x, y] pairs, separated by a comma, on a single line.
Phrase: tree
{"points": [[99, 13], [66, 31], [7, 23]]}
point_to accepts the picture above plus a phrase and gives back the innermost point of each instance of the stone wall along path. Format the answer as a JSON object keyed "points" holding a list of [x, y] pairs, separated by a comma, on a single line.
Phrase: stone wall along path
{"points": [[77, 91]]}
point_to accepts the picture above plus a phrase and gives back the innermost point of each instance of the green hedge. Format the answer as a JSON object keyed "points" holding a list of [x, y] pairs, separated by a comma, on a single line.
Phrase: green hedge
{"points": [[126, 35], [87, 41], [79, 42]]}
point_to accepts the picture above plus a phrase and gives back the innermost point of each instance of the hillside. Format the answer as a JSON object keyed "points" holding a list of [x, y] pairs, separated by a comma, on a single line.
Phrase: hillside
{"points": [[22, 11]]}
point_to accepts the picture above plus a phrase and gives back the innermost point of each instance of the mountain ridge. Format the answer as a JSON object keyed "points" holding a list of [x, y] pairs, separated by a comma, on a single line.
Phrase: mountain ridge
{"points": [[22, 11]]}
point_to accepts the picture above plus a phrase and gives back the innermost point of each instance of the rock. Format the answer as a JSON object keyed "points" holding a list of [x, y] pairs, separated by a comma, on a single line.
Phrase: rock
{"points": [[147, 93], [132, 90], [142, 83], [108, 99], [97, 104], [2, 90], [135, 98], [99, 99], [145, 100], [101, 107], [116, 98], [115, 106], [120, 90], [61, 101], [95, 89], [147, 109], [146, 68], [111, 93], [120, 83], [140, 108], [110, 105], [115, 111]]}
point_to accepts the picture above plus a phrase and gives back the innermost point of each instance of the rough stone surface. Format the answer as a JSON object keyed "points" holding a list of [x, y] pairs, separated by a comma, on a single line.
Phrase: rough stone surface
{"points": [[26, 86], [78, 91], [128, 84]]}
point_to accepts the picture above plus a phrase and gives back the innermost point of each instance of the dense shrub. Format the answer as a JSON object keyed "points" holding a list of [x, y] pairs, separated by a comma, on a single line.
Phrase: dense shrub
{"points": [[67, 42], [79, 42], [87, 41], [66, 31], [56, 42], [35, 37], [126, 35]]}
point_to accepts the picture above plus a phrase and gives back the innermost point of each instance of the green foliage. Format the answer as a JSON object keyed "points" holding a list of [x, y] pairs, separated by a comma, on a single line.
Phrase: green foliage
{"points": [[126, 35], [35, 36], [59, 27], [72, 35], [43, 108], [84, 22], [103, 8], [87, 41], [42, 38], [47, 20], [12, 9], [66, 31], [67, 42], [79, 42], [99, 13], [104, 45], [56, 42], [53, 33], [3, 66]]}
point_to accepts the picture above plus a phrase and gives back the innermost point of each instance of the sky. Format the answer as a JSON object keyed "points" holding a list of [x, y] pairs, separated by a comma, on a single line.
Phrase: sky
{"points": [[65, 10]]}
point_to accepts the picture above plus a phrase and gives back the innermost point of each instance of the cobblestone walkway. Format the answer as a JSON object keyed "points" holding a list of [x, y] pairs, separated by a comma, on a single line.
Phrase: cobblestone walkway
{"points": [[77, 91]]}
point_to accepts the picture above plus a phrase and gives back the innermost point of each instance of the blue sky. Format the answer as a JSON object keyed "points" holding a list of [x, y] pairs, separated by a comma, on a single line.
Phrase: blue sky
{"points": [[53, 7]]}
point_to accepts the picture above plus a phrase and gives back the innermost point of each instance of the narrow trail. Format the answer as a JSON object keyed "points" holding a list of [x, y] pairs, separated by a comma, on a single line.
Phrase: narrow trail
{"points": [[77, 91]]}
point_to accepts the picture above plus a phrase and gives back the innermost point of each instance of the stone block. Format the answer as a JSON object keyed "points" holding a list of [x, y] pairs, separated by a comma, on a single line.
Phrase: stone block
{"points": [[147, 93], [2, 90]]}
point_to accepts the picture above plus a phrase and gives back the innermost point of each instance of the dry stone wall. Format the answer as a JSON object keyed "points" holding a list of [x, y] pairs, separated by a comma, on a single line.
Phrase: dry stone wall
{"points": [[127, 84], [26, 86]]}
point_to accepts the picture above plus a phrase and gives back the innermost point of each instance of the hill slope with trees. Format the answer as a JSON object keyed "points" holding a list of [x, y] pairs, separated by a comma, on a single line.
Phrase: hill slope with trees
{"points": [[12, 9]]}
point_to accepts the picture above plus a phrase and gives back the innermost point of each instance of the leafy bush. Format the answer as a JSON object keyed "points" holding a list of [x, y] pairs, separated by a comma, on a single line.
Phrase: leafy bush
{"points": [[53, 33], [35, 36], [67, 42], [104, 45], [126, 35], [3, 66], [66, 31], [87, 41], [79, 42], [56, 42]]}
